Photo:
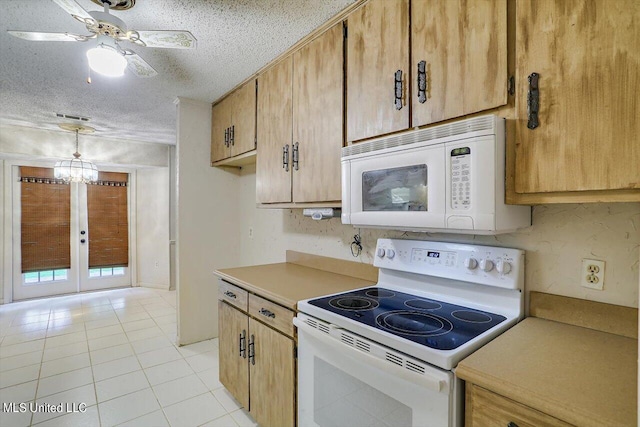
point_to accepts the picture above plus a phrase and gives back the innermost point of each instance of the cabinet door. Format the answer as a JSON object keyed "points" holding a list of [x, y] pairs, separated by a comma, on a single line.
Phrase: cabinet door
{"points": [[220, 121], [317, 117], [272, 377], [377, 47], [273, 181], [464, 48], [587, 57], [243, 119], [234, 367]]}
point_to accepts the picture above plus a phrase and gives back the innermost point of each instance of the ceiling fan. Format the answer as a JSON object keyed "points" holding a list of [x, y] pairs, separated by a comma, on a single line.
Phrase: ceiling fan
{"points": [[107, 57]]}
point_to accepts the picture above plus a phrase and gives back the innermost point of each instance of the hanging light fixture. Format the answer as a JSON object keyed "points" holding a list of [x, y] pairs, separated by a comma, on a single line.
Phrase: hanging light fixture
{"points": [[76, 169]]}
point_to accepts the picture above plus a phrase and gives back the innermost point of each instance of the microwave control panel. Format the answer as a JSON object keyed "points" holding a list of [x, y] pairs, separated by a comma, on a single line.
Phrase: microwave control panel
{"points": [[461, 178]]}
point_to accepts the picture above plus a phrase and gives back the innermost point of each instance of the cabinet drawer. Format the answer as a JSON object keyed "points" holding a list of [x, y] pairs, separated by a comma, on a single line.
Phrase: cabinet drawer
{"points": [[272, 314], [486, 409], [232, 294]]}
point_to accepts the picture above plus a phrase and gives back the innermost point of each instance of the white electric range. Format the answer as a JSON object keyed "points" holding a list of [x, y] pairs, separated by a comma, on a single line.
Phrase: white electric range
{"points": [[384, 355]]}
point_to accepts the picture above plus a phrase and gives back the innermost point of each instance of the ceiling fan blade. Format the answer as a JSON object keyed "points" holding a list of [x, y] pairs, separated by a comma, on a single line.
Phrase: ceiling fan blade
{"points": [[139, 66], [50, 37], [164, 39], [75, 10]]}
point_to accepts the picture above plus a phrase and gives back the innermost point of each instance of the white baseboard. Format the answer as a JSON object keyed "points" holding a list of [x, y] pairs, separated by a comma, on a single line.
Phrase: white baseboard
{"points": [[154, 285]]}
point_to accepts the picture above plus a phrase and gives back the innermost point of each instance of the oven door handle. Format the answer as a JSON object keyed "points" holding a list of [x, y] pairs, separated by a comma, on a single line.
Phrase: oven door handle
{"points": [[424, 380]]}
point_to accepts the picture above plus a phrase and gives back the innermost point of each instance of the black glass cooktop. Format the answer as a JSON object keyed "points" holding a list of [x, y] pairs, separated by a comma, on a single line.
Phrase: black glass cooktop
{"points": [[429, 322]]}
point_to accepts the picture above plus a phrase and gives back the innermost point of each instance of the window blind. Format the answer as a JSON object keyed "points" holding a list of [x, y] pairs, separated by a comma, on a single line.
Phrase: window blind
{"points": [[45, 220], [108, 227]]}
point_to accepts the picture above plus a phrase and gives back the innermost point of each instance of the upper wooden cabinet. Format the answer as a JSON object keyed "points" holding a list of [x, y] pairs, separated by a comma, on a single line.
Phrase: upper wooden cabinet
{"points": [[300, 124], [273, 164], [458, 58], [586, 61], [377, 68], [458, 63], [233, 126], [318, 118]]}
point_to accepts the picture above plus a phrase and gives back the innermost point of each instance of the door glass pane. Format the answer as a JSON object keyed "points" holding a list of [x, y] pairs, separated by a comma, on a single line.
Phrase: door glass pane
{"points": [[46, 276], [343, 400], [396, 189], [106, 271], [31, 277], [60, 275], [118, 271], [94, 272]]}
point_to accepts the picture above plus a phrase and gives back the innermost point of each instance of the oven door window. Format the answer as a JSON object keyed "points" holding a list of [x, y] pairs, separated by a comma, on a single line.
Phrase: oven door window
{"points": [[343, 400], [396, 189]]}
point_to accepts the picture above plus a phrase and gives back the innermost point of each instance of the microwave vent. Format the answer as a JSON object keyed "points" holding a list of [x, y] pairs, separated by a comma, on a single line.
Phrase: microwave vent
{"points": [[477, 124]]}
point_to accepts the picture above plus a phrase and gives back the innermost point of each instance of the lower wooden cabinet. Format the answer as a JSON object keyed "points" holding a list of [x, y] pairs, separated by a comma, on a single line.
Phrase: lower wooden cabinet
{"points": [[484, 408], [257, 364]]}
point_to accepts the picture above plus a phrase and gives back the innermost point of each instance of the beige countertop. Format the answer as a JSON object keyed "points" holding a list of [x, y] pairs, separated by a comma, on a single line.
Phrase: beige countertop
{"points": [[287, 283], [581, 376]]}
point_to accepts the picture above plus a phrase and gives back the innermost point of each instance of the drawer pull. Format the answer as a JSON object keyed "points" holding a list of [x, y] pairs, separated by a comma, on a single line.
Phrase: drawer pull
{"points": [[267, 313], [230, 294], [243, 344], [512, 424]]}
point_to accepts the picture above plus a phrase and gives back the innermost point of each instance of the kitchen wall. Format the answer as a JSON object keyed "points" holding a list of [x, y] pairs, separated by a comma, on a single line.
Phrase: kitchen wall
{"points": [[560, 237], [152, 222], [207, 223]]}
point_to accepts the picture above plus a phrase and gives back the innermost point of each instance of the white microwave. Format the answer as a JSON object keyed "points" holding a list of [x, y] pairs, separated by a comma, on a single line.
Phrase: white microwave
{"points": [[448, 178]]}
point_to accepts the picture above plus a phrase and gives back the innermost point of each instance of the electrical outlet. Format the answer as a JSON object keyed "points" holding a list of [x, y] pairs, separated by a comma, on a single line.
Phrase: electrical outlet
{"points": [[592, 274]]}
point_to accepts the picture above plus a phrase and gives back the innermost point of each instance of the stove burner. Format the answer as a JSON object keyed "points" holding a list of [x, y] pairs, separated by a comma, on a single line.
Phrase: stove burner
{"points": [[414, 323], [423, 304], [379, 293], [353, 303], [471, 316]]}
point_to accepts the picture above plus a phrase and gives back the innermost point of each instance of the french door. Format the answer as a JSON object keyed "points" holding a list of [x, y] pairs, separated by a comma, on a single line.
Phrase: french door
{"points": [[77, 273]]}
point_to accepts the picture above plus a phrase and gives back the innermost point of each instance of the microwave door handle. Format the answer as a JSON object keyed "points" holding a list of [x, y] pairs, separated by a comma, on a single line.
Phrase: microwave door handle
{"points": [[425, 380]]}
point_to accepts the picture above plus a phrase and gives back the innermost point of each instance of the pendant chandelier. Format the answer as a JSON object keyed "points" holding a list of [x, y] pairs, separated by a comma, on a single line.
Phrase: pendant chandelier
{"points": [[76, 169]]}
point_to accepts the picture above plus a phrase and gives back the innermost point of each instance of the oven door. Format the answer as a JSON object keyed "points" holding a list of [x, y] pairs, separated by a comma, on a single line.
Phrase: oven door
{"points": [[404, 188], [346, 380]]}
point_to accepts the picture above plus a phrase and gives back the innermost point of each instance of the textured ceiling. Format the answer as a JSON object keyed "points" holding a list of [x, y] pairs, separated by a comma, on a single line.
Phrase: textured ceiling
{"points": [[235, 39]]}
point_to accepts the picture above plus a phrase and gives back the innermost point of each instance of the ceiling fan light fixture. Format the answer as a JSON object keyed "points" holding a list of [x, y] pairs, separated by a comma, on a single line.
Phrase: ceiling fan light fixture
{"points": [[106, 60]]}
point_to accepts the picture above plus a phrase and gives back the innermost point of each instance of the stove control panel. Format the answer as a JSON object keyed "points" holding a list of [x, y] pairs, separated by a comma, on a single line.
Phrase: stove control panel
{"points": [[488, 265]]}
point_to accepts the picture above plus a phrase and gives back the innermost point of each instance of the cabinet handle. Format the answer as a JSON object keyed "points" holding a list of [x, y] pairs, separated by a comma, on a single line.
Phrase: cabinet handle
{"points": [[422, 82], [232, 137], [533, 101], [243, 342], [398, 90], [512, 424], [252, 350], [267, 313], [230, 294], [285, 158], [296, 156], [226, 137]]}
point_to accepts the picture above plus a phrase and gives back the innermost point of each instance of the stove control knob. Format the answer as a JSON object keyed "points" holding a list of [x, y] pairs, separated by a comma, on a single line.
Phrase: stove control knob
{"points": [[503, 267], [381, 253], [486, 265], [391, 253], [470, 263]]}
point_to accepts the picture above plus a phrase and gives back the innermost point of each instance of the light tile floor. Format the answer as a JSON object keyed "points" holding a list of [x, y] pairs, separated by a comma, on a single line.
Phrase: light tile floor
{"points": [[114, 352]]}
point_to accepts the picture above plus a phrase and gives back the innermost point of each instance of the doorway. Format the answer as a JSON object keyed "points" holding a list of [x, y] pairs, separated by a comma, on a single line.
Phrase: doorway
{"points": [[69, 238]]}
